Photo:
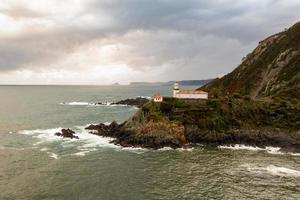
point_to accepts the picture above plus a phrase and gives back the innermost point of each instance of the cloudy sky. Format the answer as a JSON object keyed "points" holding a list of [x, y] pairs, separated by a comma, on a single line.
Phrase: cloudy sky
{"points": [[107, 41]]}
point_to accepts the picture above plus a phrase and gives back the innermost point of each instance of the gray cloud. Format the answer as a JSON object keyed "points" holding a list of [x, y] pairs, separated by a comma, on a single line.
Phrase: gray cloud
{"points": [[183, 39]]}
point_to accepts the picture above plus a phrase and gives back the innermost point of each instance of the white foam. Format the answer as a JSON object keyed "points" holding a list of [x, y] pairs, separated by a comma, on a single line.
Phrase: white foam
{"points": [[100, 104], [241, 147], [53, 155], [166, 149], [86, 143], [273, 170], [269, 149], [185, 149], [40, 131], [295, 154], [44, 149], [145, 97], [75, 103], [274, 150], [137, 150], [81, 153]]}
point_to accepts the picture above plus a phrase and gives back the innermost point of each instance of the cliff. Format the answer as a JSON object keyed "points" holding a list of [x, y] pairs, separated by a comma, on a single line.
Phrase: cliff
{"points": [[272, 70]]}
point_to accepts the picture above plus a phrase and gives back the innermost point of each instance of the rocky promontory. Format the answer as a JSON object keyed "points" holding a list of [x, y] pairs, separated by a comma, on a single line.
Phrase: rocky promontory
{"points": [[176, 123], [138, 102]]}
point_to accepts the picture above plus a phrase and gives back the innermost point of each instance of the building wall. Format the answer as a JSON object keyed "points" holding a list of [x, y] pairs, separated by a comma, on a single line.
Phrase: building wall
{"points": [[191, 96], [158, 99], [175, 91]]}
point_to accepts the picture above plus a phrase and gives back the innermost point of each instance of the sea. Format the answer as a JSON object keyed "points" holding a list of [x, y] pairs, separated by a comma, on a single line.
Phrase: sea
{"points": [[36, 165]]}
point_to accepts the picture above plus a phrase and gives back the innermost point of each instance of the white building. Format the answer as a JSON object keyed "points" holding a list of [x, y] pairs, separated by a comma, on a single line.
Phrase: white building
{"points": [[188, 94], [157, 98]]}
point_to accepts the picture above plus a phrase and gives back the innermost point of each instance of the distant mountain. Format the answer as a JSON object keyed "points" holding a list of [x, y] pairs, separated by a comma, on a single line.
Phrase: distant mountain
{"points": [[271, 70], [147, 83], [183, 83], [190, 82]]}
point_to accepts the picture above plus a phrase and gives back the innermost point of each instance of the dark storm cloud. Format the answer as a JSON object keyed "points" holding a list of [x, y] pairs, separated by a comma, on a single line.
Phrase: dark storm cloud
{"points": [[194, 35], [224, 18]]}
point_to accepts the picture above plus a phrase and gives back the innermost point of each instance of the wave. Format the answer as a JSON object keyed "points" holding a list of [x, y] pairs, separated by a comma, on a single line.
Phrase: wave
{"points": [[75, 103], [137, 150], [51, 144], [52, 155], [272, 170], [241, 147], [269, 149], [144, 97], [100, 104]]}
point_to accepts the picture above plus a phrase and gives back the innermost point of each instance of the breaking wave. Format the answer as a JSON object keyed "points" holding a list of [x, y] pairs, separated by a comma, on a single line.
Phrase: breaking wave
{"points": [[271, 150], [272, 170], [109, 104], [75, 103], [52, 145], [145, 97]]}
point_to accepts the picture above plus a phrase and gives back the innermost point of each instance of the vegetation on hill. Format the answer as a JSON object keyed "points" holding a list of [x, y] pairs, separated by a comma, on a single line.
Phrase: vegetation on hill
{"points": [[223, 120], [271, 70]]}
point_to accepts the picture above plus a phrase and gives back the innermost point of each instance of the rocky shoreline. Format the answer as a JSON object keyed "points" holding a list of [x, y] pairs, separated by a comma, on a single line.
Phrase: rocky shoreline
{"points": [[287, 141], [224, 121], [140, 131]]}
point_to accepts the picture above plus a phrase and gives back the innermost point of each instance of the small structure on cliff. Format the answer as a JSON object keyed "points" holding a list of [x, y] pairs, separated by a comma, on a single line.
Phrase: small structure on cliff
{"points": [[188, 94], [157, 98]]}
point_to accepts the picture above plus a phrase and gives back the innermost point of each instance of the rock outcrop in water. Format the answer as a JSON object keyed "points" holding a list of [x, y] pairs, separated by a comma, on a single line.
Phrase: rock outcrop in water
{"points": [[67, 133], [138, 102]]}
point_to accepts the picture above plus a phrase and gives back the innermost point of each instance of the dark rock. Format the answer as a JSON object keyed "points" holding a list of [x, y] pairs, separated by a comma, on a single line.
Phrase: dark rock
{"points": [[67, 133], [58, 134], [138, 102]]}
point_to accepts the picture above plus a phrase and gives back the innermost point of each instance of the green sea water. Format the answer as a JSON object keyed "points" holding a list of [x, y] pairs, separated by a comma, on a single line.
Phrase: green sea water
{"points": [[35, 165]]}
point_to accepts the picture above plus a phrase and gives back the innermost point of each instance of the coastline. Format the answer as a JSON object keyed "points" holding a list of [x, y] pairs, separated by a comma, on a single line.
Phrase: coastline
{"points": [[178, 123], [147, 129]]}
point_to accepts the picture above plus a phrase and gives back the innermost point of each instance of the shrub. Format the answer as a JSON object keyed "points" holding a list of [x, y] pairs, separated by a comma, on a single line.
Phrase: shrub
{"points": [[236, 95], [247, 98]]}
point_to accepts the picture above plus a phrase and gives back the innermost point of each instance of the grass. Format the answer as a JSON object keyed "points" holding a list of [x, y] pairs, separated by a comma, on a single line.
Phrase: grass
{"points": [[223, 113]]}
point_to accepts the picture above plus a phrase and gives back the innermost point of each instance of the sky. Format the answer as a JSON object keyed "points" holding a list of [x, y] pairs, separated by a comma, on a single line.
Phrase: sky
{"points": [[107, 41]]}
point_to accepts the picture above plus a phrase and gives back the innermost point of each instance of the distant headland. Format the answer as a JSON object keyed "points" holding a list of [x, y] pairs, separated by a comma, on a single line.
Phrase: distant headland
{"points": [[170, 83]]}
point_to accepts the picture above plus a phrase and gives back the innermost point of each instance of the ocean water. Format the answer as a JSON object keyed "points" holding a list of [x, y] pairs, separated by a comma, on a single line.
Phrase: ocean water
{"points": [[34, 164]]}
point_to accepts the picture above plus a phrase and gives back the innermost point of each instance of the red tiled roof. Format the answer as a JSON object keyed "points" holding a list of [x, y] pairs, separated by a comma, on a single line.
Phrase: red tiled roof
{"points": [[191, 92]]}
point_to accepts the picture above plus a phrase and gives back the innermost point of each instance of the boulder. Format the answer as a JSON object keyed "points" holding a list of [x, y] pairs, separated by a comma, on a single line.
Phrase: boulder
{"points": [[67, 133]]}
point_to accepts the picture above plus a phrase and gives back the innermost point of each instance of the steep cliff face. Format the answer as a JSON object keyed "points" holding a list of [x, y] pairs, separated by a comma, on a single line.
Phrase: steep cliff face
{"points": [[271, 70]]}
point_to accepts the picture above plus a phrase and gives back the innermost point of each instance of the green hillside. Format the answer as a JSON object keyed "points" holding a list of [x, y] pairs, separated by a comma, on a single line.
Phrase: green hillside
{"points": [[271, 70]]}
